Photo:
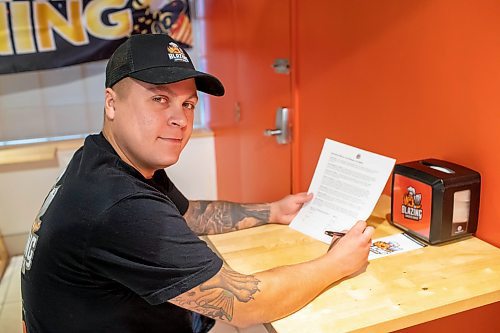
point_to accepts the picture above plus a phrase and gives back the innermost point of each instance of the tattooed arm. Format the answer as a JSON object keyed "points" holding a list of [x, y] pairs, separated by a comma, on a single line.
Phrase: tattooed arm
{"points": [[244, 300], [216, 217]]}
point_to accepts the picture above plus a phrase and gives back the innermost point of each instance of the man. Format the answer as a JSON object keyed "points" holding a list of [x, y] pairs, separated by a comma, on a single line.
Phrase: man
{"points": [[115, 247]]}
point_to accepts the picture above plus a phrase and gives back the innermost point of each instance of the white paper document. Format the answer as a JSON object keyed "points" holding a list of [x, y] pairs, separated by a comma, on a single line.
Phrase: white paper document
{"points": [[346, 184], [393, 244]]}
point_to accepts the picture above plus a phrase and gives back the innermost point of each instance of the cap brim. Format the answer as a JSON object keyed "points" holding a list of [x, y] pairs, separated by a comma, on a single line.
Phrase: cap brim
{"points": [[163, 75]]}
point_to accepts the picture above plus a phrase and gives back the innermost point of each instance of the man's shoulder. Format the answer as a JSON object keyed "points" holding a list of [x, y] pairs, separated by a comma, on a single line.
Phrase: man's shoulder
{"points": [[96, 174]]}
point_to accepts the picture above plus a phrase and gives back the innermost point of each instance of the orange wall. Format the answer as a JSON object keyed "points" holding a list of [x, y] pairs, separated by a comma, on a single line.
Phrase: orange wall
{"points": [[481, 320], [407, 79]]}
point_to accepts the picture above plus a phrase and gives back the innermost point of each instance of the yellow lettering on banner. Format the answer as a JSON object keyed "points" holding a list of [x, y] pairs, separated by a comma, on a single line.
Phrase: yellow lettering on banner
{"points": [[5, 43], [22, 28], [121, 20], [48, 18]]}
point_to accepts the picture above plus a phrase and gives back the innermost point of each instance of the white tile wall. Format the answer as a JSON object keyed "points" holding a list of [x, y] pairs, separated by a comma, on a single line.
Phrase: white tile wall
{"points": [[62, 86], [20, 90], [93, 79], [95, 115], [67, 119], [54, 102], [22, 122]]}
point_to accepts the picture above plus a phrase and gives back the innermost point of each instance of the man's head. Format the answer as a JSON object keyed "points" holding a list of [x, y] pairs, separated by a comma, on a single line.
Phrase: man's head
{"points": [[150, 97]]}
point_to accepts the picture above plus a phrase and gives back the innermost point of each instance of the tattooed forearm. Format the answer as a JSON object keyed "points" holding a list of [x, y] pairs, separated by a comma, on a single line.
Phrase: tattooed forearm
{"points": [[240, 286], [216, 217], [215, 298]]}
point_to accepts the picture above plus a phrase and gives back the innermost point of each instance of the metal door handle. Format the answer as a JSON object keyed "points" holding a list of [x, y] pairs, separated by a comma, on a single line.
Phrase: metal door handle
{"points": [[282, 130], [271, 132]]}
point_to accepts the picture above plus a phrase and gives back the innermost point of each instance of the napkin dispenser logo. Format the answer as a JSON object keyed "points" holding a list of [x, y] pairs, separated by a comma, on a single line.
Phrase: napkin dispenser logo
{"points": [[412, 205]]}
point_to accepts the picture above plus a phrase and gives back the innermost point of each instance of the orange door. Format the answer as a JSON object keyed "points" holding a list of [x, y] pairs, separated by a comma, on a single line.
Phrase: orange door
{"points": [[262, 35], [243, 56]]}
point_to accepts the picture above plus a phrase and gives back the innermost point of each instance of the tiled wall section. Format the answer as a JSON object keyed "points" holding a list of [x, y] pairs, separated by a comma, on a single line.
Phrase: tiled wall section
{"points": [[58, 102], [53, 102]]}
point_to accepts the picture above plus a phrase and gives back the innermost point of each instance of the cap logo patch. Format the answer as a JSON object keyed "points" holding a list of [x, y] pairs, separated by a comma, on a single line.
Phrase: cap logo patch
{"points": [[175, 53]]}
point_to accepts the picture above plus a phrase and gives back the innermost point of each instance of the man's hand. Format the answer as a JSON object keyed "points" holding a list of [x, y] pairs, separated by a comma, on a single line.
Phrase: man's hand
{"points": [[350, 252], [284, 210], [262, 297]]}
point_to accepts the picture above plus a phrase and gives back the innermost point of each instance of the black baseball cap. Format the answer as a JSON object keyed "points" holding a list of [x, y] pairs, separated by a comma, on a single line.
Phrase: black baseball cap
{"points": [[157, 59]]}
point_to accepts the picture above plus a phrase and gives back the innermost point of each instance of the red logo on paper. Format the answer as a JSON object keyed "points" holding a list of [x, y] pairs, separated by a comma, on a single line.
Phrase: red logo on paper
{"points": [[412, 205]]}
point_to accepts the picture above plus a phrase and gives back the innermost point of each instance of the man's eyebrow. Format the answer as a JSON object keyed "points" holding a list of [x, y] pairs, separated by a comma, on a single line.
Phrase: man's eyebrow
{"points": [[163, 89]]}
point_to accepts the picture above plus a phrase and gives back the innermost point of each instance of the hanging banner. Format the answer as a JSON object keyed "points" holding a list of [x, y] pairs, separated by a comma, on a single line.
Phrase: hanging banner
{"points": [[43, 34]]}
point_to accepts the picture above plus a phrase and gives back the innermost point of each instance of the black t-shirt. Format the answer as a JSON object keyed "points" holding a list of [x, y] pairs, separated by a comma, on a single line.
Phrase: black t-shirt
{"points": [[109, 248]]}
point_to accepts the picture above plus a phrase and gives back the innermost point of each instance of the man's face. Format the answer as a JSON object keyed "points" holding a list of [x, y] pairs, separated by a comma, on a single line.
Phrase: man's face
{"points": [[150, 124]]}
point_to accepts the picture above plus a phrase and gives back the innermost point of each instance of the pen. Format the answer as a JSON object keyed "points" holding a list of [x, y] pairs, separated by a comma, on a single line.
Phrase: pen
{"points": [[334, 233]]}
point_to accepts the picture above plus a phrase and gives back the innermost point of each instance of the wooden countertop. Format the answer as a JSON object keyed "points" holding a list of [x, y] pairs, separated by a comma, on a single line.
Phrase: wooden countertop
{"points": [[394, 292]]}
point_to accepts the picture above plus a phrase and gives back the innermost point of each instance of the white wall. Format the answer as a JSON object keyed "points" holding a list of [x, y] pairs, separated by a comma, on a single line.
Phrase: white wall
{"points": [[195, 172], [23, 187]]}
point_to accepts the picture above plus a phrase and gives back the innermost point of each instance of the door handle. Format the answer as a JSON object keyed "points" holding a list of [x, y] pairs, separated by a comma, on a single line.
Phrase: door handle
{"points": [[282, 130], [272, 132]]}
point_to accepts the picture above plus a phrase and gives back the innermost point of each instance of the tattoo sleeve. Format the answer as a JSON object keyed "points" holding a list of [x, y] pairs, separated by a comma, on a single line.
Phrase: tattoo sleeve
{"points": [[215, 298], [216, 217]]}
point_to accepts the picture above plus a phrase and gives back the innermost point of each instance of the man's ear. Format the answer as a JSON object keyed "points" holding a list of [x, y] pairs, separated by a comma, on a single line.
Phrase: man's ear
{"points": [[109, 103]]}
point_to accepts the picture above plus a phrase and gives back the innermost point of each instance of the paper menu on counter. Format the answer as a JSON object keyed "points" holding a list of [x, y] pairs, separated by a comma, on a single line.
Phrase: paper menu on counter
{"points": [[346, 185], [393, 244]]}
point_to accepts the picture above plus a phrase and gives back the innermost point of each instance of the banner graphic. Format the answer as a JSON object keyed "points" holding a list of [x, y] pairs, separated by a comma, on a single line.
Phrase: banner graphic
{"points": [[43, 34]]}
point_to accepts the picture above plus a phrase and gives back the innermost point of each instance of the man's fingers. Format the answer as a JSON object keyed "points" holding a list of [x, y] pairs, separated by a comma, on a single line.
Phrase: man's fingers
{"points": [[359, 226], [303, 197], [368, 233]]}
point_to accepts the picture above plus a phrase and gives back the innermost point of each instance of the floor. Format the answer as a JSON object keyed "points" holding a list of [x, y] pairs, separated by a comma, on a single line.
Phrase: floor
{"points": [[10, 297], [10, 304]]}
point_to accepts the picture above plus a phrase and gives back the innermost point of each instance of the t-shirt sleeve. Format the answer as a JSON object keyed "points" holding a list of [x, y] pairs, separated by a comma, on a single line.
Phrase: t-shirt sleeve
{"points": [[144, 244]]}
